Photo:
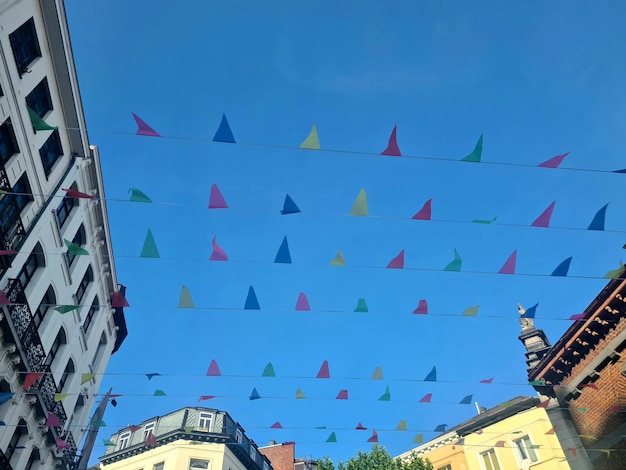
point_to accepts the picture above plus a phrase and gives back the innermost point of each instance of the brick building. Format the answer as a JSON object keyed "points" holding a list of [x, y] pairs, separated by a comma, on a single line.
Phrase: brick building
{"points": [[283, 457]]}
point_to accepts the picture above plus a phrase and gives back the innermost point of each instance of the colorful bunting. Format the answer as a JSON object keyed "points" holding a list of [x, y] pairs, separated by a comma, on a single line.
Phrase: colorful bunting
{"points": [[254, 395], [312, 142], [554, 161], [289, 206], [213, 370], [476, 154], [269, 371], [530, 312], [342, 395], [52, 420], [471, 311], [276, 425], [377, 374], [7, 252], [460, 442], [66, 308], [397, 262], [544, 404], [99, 423], [118, 300], [401, 426], [84, 378], [205, 397], [108, 442], [143, 128], [224, 134], [392, 149], [283, 255], [425, 213], [454, 265], [598, 220], [134, 428], [60, 396], [252, 302], [419, 439], [216, 200], [537, 383], [361, 306], [217, 254], [422, 308], [593, 386], [616, 273], [60, 443], [563, 268], [38, 123], [324, 372], [30, 379], [374, 437], [577, 316], [332, 437], [426, 398], [544, 219], [441, 428], [466, 400], [338, 260], [159, 393], [385, 396], [74, 249], [509, 264], [300, 394], [588, 436], [499, 444], [432, 375], [152, 375], [151, 440], [487, 381], [302, 304], [76, 194], [552, 430], [137, 195], [484, 221], [359, 208], [572, 450], [4, 300], [150, 249], [185, 300]]}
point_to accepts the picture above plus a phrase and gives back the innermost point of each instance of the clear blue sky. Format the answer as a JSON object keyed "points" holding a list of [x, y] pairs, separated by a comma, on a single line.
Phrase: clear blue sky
{"points": [[538, 79]]}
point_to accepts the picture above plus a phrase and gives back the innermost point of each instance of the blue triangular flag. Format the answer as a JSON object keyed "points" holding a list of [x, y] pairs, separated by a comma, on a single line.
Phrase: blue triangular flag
{"points": [[224, 134], [563, 268], [5, 396], [598, 220], [466, 400], [251, 301], [530, 312], [432, 375], [254, 395], [283, 255], [441, 428], [289, 207]]}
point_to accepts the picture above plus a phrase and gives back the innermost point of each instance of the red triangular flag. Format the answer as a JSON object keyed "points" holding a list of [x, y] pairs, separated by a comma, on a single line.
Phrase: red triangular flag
{"points": [[509, 264], [422, 308], [397, 262], [151, 440], [554, 161], [374, 437], [324, 373], [544, 404], [302, 304], [544, 219], [360, 427], [205, 397], [30, 379], [487, 381], [214, 369], [77, 194], [276, 425], [425, 212], [342, 395], [60, 443], [426, 398], [392, 146], [573, 450], [216, 200], [552, 430], [134, 428], [594, 386], [118, 300], [143, 128], [4, 300]]}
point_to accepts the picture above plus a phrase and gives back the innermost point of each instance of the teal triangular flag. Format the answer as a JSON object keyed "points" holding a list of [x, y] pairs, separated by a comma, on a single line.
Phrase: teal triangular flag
{"points": [[283, 255], [251, 301], [466, 400], [74, 249], [332, 437], [476, 153], [455, 264], [66, 308], [137, 196], [108, 442], [361, 306], [254, 395], [159, 393], [269, 370], [38, 123], [224, 134], [432, 375], [150, 249], [385, 396]]}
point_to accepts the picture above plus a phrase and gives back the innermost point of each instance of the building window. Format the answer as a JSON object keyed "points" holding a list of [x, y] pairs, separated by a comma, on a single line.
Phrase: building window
{"points": [[490, 460], [525, 449], [159, 466], [252, 452], [33, 460], [49, 300], [123, 440], [65, 208], [39, 99], [50, 152], [22, 192], [84, 283], [99, 349], [238, 436], [79, 239], [8, 143], [148, 428], [25, 45], [266, 466], [204, 422], [67, 373], [21, 430], [59, 341], [34, 261], [447, 467], [197, 464], [90, 314]]}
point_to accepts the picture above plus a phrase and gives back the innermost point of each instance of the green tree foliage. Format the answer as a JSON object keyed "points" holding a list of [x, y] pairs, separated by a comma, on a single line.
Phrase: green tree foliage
{"points": [[377, 459]]}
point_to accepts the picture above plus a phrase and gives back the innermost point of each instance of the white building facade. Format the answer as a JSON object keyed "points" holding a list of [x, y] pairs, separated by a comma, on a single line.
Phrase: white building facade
{"points": [[44, 149]]}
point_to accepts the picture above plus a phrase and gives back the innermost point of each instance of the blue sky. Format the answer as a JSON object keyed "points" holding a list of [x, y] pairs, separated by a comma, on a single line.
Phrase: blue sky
{"points": [[536, 79]]}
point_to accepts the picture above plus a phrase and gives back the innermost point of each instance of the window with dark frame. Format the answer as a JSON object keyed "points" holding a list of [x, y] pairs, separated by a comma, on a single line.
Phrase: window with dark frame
{"points": [[59, 340], [34, 261], [95, 305], [8, 143], [64, 209], [48, 301], [124, 440], [79, 239], [99, 349], [39, 99], [525, 449], [20, 430], [25, 45], [67, 373], [51, 151], [84, 283], [22, 192]]}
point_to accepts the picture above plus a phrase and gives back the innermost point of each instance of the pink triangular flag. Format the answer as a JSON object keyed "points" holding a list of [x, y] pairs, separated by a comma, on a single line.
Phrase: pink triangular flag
{"points": [[554, 161], [214, 369], [360, 427], [397, 262], [134, 428], [426, 398], [392, 147], [77, 194], [7, 252], [30, 379], [60, 443], [205, 397], [487, 381], [324, 373], [143, 128], [53, 420], [544, 404], [374, 437], [594, 386], [118, 300], [4, 300], [552, 430], [218, 254], [425, 212], [509, 265], [422, 308], [499, 444], [302, 304], [342, 395], [544, 219], [216, 200], [276, 425], [151, 440]]}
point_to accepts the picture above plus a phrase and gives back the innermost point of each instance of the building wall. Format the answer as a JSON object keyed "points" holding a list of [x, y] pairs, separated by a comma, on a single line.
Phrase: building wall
{"points": [[282, 456]]}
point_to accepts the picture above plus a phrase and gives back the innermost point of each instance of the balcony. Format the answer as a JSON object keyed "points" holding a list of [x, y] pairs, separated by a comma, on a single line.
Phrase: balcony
{"points": [[4, 462], [12, 230]]}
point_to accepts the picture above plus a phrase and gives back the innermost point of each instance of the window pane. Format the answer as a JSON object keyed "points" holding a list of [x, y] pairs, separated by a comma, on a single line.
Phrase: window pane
{"points": [[50, 151], [23, 192], [25, 45], [39, 99], [8, 144]]}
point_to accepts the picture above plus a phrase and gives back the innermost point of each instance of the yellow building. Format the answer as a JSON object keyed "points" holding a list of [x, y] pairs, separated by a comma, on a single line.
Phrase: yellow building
{"points": [[517, 434], [187, 439]]}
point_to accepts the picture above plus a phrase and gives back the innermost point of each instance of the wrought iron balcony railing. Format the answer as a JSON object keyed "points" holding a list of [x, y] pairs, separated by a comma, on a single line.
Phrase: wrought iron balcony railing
{"points": [[12, 230], [4, 462]]}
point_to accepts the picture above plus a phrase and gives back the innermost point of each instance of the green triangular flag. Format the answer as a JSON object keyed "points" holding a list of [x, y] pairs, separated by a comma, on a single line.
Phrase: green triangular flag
{"points": [[419, 439], [138, 196], [338, 260], [360, 205], [320, 427], [471, 311], [386, 396], [615, 273], [269, 371], [299, 394], [108, 442], [185, 300], [476, 153], [484, 221], [401, 425], [537, 382], [74, 249], [535, 446], [332, 437], [38, 123], [377, 374], [66, 308], [361, 306], [159, 393], [312, 142], [455, 264], [99, 423], [188, 429], [581, 409], [149, 247]]}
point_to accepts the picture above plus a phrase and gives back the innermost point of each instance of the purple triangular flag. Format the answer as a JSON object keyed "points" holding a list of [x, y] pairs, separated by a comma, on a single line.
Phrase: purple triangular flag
{"points": [[554, 161], [509, 265], [218, 254], [216, 200], [544, 219], [392, 147], [342, 395], [425, 212], [422, 308], [397, 262], [324, 372], [52, 420], [302, 304], [143, 128], [60, 443], [214, 369]]}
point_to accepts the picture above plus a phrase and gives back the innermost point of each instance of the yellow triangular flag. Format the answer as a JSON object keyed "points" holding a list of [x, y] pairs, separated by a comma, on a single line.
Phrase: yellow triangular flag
{"points": [[401, 425], [377, 374], [299, 394], [84, 378], [312, 142], [338, 260], [60, 396], [185, 300], [360, 205]]}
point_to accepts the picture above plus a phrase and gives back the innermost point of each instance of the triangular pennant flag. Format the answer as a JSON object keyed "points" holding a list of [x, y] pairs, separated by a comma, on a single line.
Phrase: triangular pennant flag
{"points": [[455, 264], [134, 428], [401, 426], [268, 371], [66, 308], [76, 194], [359, 207], [108, 442], [254, 395], [460, 442], [606, 451], [592, 386], [616, 273], [151, 440], [4, 300], [374, 437], [615, 409], [138, 196], [152, 375], [185, 300], [38, 123], [99, 423], [397, 262], [251, 301], [74, 249], [471, 311], [312, 142], [509, 265], [300, 394], [361, 306], [332, 437], [377, 374], [392, 149], [205, 397], [302, 304], [530, 312], [276, 425], [419, 439], [360, 427], [598, 220], [53, 420], [554, 161], [572, 450], [552, 430], [60, 443], [30, 379], [422, 308], [217, 254], [7, 252], [484, 221], [60, 396], [441, 428], [224, 134], [342, 395], [487, 381], [289, 207], [425, 213], [214, 370], [476, 153], [338, 260], [577, 316], [84, 378], [159, 393], [544, 404], [562, 268], [544, 219], [118, 300], [385, 396], [432, 375], [499, 444], [143, 128], [283, 255], [324, 372], [150, 249], [467, 400], [537, 382], [216, 200], [426, 398]]}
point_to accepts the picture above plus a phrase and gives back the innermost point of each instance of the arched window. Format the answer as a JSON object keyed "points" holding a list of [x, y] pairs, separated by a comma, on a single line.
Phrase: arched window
{"points": [[21, 430], [34, 261], [99, 350], [95, 305], [67, 373], [66, 206], [84, 283], [79, 239], [5, 388], [59, 341], [33, 460], [48, 302]]}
